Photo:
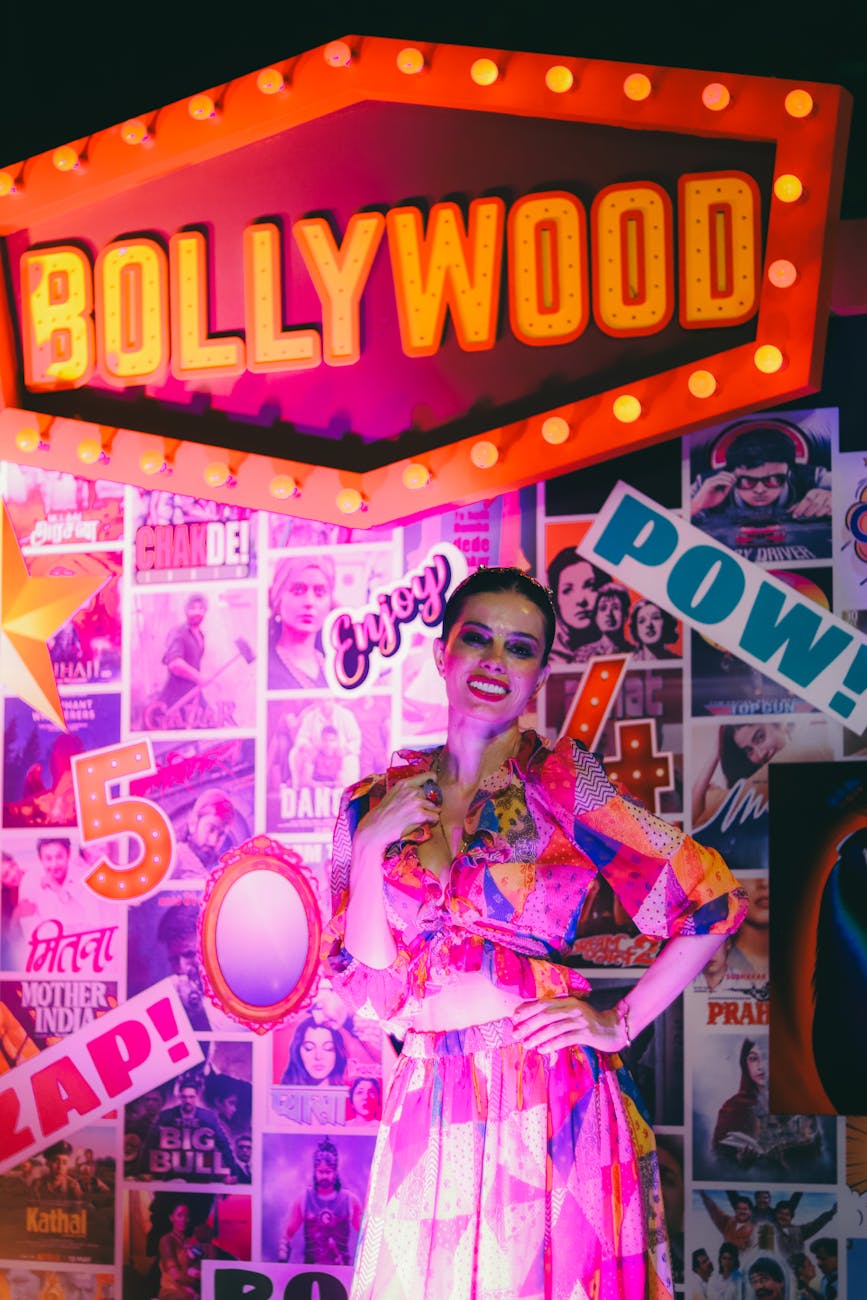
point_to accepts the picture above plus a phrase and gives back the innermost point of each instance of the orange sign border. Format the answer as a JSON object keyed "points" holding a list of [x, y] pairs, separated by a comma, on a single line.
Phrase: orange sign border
{"points": [[792, 319]]}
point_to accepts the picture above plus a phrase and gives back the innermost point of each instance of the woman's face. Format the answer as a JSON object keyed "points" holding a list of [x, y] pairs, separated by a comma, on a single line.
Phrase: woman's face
{"points": [[758, 901], [180, 1218], [760, 741], [492, 661], [576, 595], [365, 1099], [756, 1066], [648, 625], [609, 613], [305, 599], [318, 1053]]}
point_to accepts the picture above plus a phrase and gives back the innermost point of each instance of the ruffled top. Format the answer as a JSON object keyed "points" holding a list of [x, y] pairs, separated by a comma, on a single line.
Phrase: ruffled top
{"points": [[537, 834]]}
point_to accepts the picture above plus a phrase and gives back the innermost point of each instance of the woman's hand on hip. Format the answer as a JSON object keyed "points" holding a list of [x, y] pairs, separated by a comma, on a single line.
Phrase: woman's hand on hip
{"points": [[548, 1024]]}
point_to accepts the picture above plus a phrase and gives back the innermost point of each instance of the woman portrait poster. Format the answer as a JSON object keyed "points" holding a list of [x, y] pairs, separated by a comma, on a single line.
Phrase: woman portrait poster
{"points": [[736, 1132], [597, 615], [730, 764]]}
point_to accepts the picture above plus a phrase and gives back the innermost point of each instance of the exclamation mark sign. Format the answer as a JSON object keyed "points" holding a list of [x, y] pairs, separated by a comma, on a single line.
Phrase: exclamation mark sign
{"points": [[244, 541], [167, 1027], [854, 681]]}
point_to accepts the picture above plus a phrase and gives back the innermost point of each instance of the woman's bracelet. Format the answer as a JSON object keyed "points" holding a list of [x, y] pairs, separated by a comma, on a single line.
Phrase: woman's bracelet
{"points": [[623, 1009]]}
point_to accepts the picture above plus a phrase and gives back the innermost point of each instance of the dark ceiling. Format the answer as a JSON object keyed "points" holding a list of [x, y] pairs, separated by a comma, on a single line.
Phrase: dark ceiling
{"points": [[72, 69]]}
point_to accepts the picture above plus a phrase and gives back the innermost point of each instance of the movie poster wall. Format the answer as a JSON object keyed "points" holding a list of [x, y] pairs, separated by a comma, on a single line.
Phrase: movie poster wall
{"points": [[267, 663]]}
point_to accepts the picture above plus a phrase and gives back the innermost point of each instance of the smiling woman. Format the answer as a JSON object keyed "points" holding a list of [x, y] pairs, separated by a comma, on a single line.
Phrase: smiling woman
{"points": [[459, 877]]}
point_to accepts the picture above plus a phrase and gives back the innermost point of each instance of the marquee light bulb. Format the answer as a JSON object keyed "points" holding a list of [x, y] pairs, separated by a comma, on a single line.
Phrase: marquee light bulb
{"points": [[782, 273], [702, 383], [337, 54], [416, 476], [410, 61], [627, 408], [555, 430], [799, 103], [768, 359], [270, 81], [89, 451], [27, 440], [152, 462], [217, 473], [283, 486], [637, 86], [349, 500], [560, 79], [484, 454], [7, 184], [134, 131], [484, 72], [65, 158], [202, 108], [716, 96], [788, 188]]}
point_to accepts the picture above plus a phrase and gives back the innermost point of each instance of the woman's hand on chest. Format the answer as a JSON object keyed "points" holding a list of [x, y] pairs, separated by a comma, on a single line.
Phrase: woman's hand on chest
{"points": [[401, 813]]}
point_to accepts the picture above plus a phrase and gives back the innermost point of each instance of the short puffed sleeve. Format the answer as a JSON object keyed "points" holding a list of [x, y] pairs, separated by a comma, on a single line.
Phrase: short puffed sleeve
{"points": [[667, 882]]}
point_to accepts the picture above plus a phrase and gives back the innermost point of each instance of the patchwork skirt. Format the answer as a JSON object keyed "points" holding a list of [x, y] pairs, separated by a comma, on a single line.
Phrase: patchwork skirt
{"points": [[506, 1173]]}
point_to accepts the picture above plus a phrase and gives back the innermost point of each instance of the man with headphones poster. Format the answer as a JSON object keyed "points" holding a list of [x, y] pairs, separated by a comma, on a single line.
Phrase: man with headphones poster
{"points": [[763, 485]]}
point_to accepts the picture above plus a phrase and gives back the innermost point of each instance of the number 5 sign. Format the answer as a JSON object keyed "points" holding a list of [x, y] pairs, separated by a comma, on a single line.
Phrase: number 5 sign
{"points": [[102, 816]]}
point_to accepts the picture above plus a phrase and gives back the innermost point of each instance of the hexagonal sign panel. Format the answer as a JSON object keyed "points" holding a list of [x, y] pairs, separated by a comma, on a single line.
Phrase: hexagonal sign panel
{"points": [[407, 277]]}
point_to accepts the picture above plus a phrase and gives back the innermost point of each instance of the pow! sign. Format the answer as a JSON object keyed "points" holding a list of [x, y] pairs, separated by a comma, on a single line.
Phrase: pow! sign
{"points": [[135, 1047], [744, 609]]}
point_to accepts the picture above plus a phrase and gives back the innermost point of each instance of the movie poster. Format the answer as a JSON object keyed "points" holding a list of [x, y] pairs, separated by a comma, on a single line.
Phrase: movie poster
{"points": [[52, 922], [597, 615], [497, 532], [738, 971], [306, 1217], [327, 1068], [669, 1154], [735, 1133], [819, 939], [163, 941], [48, 1010], [731, 762], [37, 756], [303, 590], [762, 484], [190, 539], [315, 750], [771, 1235], [655, 1058], [85, 651], [724, 685], [171, 1235], [60, 1204], [70, 1282], [201, 1131], [207, 790], [195, 658], [51, 509]]}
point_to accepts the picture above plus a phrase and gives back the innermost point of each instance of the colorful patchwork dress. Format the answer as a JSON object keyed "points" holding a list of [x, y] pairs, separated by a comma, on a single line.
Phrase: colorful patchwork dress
{"points": [[502, 1172]]}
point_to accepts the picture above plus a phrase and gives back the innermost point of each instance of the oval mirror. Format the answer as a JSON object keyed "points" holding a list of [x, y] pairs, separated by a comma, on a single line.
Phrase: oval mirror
{"points": [[259, 932]]}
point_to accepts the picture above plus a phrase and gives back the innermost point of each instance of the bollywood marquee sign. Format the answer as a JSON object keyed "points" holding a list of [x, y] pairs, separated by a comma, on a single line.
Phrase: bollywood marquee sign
{"points": [[404, 277]]}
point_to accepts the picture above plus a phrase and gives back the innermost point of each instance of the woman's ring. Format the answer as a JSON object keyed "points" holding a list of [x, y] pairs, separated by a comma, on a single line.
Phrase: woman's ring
{"points": [[432, 792]]}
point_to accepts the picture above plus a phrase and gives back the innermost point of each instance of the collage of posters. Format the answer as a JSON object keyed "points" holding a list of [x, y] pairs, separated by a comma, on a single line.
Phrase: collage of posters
{"points": [[269, 663]]}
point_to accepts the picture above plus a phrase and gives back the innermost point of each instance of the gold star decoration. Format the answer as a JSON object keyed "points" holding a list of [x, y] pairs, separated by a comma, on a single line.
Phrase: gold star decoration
{"points": [[31, 611]]}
